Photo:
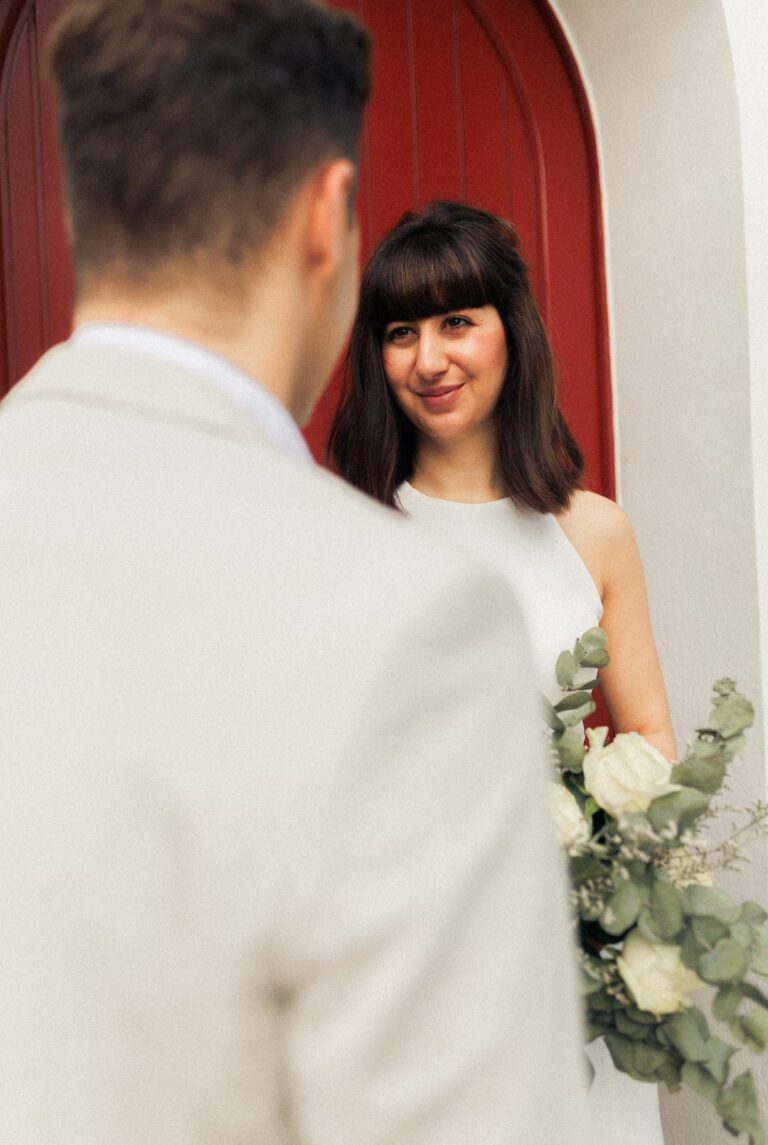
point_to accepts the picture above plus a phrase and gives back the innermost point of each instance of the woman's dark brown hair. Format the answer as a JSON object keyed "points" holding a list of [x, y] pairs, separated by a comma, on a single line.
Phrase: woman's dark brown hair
{"points": [[452, 257]]}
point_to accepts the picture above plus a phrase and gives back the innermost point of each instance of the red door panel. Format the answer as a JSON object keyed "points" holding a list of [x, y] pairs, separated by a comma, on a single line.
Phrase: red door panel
{"points": [[473, 99], [36, 294]]}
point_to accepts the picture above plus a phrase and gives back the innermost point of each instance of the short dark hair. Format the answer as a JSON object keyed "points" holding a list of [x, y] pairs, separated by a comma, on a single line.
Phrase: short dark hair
{"points": [[187, 124], [453, 256]]}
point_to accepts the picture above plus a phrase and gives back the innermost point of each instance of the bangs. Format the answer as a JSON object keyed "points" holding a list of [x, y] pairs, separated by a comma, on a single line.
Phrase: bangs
{"points": [[424, 275]]}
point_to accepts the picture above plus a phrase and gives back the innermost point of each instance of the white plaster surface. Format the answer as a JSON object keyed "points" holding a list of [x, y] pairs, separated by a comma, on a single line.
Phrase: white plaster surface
{"points": [[747, 23], [680, 100]]}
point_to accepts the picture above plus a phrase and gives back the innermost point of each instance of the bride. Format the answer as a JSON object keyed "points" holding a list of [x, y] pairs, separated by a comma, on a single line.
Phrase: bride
{"points": [[449, 413]]}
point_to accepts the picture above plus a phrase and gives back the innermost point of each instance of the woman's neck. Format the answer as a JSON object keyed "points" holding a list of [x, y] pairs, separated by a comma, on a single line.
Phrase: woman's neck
{"points": [[458, 470]]}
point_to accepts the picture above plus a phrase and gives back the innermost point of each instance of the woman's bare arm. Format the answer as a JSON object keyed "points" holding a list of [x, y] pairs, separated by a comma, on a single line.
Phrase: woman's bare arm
{"points": [[633, 684]]}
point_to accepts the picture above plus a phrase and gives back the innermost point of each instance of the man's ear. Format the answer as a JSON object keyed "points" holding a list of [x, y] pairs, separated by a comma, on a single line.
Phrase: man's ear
{"points": [[329, 218]]}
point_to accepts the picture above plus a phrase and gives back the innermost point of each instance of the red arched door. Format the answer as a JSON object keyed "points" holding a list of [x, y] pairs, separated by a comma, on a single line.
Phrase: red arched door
{"points": [[473, 99]]}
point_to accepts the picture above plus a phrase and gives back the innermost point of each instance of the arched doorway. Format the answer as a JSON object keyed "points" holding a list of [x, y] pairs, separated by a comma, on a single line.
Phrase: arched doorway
{"points": [[473, 99]]}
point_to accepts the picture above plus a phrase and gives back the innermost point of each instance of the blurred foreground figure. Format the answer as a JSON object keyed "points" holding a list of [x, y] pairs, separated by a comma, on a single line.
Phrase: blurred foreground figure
{"points": [[274, 862]]}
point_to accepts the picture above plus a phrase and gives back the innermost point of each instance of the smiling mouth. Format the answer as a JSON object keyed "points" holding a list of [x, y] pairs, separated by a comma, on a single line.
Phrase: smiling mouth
{"points": [[439, 395]]}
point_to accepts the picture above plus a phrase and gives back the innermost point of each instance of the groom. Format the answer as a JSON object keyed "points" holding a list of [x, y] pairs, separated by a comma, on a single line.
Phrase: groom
{"points": [[275, 860]]}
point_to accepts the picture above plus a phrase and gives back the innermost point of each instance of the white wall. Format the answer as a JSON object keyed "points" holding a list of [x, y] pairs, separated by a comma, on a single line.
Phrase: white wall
{"points": [[747, 23], [672, 119]]}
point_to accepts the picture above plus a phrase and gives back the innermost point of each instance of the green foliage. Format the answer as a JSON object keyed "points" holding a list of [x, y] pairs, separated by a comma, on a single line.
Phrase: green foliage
{"points": [[726, 962], [623, 907], [571, 749], [667, 910], [737, 1106], [644, 873], [678, 809]]}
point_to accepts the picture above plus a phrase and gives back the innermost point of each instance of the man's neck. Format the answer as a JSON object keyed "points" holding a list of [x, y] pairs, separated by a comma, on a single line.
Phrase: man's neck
{"points": [[257, 334]]}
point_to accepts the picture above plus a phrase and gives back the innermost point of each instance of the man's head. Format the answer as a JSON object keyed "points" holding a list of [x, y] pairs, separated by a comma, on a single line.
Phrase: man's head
{"points": [[210, 152], [187, 125]]}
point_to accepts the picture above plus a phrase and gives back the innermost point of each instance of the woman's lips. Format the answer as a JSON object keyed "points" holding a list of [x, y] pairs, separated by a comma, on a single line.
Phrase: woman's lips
{"points": [[440, 396]]}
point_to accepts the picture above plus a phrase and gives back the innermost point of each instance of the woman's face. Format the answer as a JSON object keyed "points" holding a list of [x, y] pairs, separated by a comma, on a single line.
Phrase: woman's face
{"points": [[446, 372]]}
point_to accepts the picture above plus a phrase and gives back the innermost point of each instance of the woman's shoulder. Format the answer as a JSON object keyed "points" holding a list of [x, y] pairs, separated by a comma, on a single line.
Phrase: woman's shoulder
{"points": [[600, 531], [597, 515]]}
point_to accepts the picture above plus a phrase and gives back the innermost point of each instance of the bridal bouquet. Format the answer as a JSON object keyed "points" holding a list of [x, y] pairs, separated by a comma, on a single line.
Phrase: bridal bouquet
{"points": [[653, 930]]}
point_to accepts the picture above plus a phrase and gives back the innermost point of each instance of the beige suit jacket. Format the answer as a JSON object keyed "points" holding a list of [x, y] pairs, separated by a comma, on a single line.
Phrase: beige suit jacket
{"points": [[275, 866]]}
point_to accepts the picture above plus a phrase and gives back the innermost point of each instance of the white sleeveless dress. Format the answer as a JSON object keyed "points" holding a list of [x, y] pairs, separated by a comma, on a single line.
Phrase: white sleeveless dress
{"points": [[559, 601]]}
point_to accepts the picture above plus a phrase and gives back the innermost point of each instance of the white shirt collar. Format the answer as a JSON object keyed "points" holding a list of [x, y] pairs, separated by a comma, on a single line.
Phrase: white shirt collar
{"points": [[261, 403]]}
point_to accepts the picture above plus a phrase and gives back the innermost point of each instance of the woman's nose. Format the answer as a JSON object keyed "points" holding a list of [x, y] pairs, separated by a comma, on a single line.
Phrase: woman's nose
{"points": [[431, 358]]}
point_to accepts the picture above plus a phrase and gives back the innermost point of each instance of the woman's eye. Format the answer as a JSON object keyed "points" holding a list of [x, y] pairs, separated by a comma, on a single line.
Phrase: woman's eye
{"points": [[397, 333], [455, 322]]}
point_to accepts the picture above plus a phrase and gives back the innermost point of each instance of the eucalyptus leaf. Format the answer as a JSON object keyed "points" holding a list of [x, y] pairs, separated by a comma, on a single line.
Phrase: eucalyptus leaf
{"points": [[752, 912], [731, 715], [754, 994], [679, 809], [719, 1059], [647, 1060], [600, 1001], [644, 1017], [551, 718], [742, 1034], [741, 932], [646, 925], [755, 1025], [683, 1032], [630, 1029], [667, 909], [700, 1081], [623, 908], [727, 1001], [737, 1106], [705, 775], [691, 949], [708, 930], [594, 638], [572, 700], [589, 983], [577, 715], [570, 749], [710, 901], [597, 659], [621, 1050], [707, 745], [583, 867], [670, 1072], [700, 1021], [733, 745], [726, 962], [565, 669], [758, 954]]}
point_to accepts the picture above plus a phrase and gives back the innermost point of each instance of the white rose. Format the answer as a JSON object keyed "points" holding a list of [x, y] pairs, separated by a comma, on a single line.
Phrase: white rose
{"points": [[570, 825], [656, 976], [627, 774]]}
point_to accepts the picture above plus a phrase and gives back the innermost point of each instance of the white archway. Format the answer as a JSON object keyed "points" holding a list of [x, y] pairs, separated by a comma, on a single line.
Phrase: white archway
{"points": [[679, 101]]}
